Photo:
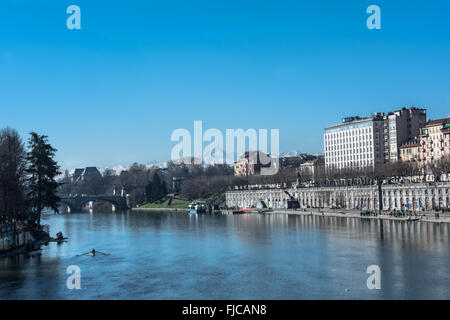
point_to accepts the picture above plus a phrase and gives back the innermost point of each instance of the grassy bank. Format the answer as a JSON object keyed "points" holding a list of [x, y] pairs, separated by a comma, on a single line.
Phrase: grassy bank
{"points": [[214, 198], [181, 204], [164, 204]]}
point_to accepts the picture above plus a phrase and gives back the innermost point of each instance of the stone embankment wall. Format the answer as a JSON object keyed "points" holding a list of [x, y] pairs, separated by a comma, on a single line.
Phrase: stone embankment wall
{"points": [[15, 236]]}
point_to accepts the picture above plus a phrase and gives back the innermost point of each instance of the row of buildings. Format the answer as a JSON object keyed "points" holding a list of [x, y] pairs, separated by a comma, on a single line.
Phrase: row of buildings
{"points": [[403, 135], [433, 143], [400, 135], [251, 163]]}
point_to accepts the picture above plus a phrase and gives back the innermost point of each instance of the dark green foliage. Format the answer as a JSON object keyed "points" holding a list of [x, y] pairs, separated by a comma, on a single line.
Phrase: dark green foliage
{"points": [[156, 189], [42, 170]]}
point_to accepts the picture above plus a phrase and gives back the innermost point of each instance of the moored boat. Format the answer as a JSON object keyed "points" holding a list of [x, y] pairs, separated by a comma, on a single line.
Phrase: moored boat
{"points": [[197, 207]]}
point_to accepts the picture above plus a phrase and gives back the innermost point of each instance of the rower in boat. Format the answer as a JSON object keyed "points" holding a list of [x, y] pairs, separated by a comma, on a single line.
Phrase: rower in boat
{"points": [[93, 253]]}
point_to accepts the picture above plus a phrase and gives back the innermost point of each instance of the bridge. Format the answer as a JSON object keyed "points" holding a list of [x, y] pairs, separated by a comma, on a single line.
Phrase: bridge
{"points": [[76, 203]]}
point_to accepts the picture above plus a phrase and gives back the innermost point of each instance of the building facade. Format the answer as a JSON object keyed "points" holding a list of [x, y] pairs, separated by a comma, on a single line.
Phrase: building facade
{"points": [[295, 162], [414, 197], [251, 162], [356, 142], [411, 151], [401, 126], [435, 140], [362, 142], [311, 170]]}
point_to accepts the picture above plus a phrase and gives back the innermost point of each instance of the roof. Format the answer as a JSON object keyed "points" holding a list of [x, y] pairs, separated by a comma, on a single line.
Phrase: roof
{"points": [[91, 172], [85, 173], [77, 174], [345, 124], [438, 122], [410, 144], [258, 154]]}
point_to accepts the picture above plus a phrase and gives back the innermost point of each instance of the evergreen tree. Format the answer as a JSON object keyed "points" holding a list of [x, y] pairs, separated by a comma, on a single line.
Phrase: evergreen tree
{"points": [[156, 189], [42, 171], [148, 192], [156, 183]]}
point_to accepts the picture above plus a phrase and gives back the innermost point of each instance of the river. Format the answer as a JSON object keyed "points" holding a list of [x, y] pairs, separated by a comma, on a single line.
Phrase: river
{"points": [[162, 255]]}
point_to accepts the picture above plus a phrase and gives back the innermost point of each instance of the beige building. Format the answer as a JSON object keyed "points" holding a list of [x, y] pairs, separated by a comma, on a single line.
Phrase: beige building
{"points": [[435, 140], [410, 151], [251, 162]]}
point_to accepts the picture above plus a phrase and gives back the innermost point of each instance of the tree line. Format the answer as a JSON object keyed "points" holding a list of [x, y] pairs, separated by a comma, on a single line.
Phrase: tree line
{"points": [[142, 183]]}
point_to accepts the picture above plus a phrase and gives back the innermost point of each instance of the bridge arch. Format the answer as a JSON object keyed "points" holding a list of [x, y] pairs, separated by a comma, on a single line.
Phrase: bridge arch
{"points": [[78, 202]]}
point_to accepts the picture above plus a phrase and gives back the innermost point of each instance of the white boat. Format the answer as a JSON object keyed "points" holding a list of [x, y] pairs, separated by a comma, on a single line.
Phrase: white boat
{"points": [[196, 207]]}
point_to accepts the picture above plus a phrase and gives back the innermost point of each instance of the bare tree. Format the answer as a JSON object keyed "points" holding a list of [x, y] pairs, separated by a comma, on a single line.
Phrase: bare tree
{"points": [[13, 201], [442, 166]]}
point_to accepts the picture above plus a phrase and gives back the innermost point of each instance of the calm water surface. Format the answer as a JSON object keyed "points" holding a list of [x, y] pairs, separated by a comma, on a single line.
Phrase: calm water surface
{"points": [[160, 255]]}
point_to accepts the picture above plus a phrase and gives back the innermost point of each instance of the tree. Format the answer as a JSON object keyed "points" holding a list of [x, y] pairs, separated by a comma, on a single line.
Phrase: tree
{"points": [[442, 167], [42, 171], [148, 192], [156, 189], [13, 203], [137, 197]]}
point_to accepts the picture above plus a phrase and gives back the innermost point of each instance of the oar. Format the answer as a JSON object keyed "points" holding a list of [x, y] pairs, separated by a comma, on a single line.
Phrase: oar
{"points": [[106, 254], [90, 252], [83, 254]]}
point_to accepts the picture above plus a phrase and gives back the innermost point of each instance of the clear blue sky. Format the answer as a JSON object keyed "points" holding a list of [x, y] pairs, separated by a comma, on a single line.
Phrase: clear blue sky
{"points": [[113, 92]]}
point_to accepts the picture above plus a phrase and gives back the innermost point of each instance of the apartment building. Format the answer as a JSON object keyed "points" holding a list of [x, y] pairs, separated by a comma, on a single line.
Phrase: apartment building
{"points": [[400, 127], [410, 151], [435, 140], [356, 142], [251, 162]]}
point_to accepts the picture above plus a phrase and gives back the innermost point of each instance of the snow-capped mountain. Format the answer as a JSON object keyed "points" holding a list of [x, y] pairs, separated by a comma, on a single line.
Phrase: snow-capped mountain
{"points": [[292, 153]]}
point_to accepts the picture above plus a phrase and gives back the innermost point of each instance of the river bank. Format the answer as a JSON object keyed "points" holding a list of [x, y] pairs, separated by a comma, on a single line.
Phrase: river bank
{"points": [[160, 209], [19, 238], [424, 217], [25, 249]]}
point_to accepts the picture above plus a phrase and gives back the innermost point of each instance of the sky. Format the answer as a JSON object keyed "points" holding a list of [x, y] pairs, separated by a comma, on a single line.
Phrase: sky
{"points": [[114, 91]]}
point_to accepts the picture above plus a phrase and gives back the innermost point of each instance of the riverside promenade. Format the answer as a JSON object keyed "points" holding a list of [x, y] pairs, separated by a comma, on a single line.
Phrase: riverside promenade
{"points": [[348, 213]]}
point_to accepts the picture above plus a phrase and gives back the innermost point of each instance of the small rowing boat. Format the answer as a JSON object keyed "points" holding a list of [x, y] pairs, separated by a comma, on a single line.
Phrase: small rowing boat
{"points": [[93, 253]]}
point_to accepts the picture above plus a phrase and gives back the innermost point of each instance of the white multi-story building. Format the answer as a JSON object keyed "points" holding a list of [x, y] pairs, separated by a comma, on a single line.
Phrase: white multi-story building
{"points": [[356, 142]]}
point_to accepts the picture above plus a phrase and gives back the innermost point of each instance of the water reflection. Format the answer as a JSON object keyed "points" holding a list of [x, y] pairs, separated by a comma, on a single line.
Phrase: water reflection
{"points": [[160, 255]]}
